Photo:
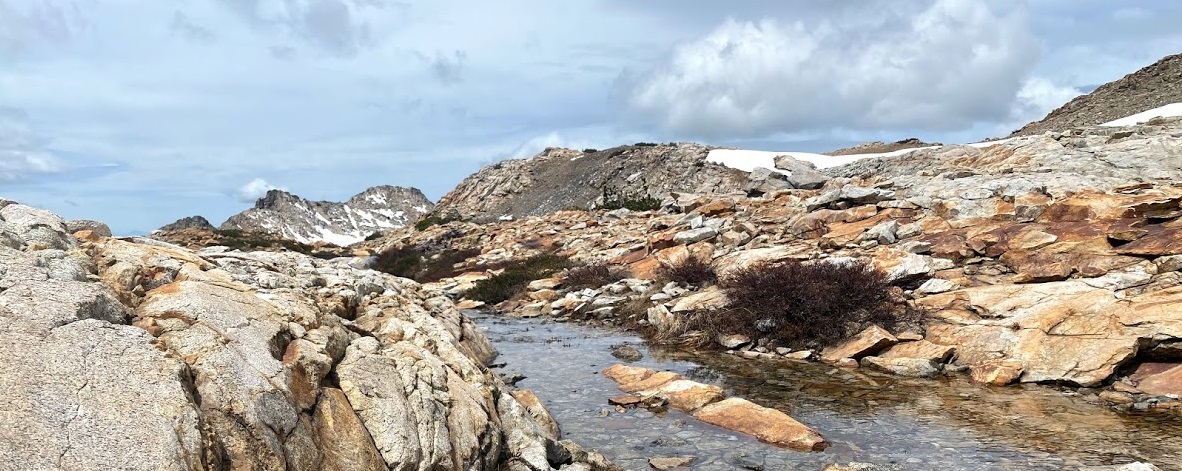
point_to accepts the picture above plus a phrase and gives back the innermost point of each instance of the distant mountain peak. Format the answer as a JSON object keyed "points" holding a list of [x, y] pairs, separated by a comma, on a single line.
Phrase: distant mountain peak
{"points": [[376, 209]]}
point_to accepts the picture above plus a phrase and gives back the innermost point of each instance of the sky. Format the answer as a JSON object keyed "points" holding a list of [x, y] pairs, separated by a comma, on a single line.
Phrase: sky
{"points": [[139, 112]]}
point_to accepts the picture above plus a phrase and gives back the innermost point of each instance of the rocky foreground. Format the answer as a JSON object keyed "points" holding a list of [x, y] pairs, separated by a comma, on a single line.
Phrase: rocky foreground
{"points": [[137, 354], [1043, 259]]}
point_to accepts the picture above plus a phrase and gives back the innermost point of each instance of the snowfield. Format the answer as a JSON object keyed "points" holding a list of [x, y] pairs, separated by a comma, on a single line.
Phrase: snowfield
{"points": [[1168, 111], [748, 160]]}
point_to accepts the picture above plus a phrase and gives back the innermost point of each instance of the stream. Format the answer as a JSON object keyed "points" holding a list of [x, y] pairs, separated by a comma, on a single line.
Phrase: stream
{"points": [[897, 423]]}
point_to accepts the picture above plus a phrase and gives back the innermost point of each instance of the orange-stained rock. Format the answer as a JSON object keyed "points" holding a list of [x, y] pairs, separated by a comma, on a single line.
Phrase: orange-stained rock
{"points": [[997, 373], [87, 236], [653, 381], [1157, 241], [716, 208], [868, 342], [1158, 378], [921, 349], [768, 425], [685, 395], [625, 374], [537, 411]]}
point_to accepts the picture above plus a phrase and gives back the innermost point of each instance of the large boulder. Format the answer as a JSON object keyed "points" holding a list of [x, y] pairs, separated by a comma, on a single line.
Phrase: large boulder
{"points": [[1063, 331]]}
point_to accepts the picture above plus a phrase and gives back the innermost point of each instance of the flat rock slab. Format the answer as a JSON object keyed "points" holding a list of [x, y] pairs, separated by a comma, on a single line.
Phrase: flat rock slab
{"points": [[768, 425], [868, 342], [671, 463]]}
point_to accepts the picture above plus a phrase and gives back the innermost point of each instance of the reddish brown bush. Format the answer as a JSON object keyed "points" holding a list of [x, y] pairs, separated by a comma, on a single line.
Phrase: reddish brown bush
{"points": [[689, 271], [807, 305]]}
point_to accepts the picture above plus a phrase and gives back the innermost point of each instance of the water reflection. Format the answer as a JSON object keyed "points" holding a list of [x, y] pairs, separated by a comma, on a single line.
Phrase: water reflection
{"points": [[914, 424]]}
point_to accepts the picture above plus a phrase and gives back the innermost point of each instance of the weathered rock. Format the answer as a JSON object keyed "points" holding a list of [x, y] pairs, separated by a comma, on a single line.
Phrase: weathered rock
{"points": [[695, 235], [1064, 331], [997, 373], [766, 424], [672, 462], [345, 441], [97, 228], [708, 299], [75, 399], [537, 410], [801, 174], [733, 341], [627, 353], [921, 349], [903, 366], [763, 181], [1158, 378], [872, 340], [684, 395], [624, 374]]}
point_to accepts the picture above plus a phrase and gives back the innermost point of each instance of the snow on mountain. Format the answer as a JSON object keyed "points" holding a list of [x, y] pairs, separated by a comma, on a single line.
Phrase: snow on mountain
{"points": [[374, 210], [1167, 111]]}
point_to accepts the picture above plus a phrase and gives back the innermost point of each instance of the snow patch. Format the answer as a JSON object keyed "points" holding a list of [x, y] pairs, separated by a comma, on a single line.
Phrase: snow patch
{"points": [[1168, 111], [376, 198], [342, 240], [749, 160]]}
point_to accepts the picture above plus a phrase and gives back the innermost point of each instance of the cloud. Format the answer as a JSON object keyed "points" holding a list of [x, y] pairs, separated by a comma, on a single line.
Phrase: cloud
{"points": [[22, 153], [1038, 96], [186, 28], [447, 69], [25, 25], [339, 27], [953, 64], [254, 190]]}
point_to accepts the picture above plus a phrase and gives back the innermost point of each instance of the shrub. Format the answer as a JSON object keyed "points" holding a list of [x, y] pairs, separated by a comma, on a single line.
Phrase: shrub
{"points": [[689, 271], [435, 220], [515, 277], [613, 198], [443, 265], [403, 262], [645, 144], [590, 150], [805, 305], [246, 240], [417, 265], [593, 275]]}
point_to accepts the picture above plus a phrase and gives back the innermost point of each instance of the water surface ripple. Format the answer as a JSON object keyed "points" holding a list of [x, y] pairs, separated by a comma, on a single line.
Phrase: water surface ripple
{"points": [[947, 424]]}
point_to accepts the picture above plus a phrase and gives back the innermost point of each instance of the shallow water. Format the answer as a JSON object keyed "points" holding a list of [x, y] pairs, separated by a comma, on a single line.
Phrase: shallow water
{"points": [[947, 424]]}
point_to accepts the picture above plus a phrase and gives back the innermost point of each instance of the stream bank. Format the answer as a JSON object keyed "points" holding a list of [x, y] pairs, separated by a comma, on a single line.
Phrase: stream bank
{"points": [[893, 422]]}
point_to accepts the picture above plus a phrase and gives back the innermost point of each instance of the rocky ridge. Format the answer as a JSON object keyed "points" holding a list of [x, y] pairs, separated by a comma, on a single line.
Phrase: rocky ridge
{"points": [[137, 354], [879, 147], [1154, 86], [1044, 259], [190, 222], [560, 179], [377, 209]]}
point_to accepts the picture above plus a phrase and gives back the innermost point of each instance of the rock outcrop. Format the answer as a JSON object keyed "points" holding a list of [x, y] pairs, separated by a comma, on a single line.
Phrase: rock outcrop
{"points": [[190, 222], [879, 147], [1154, 86], [1043, 259], [376, 209], [560, 179], [137, 354]]}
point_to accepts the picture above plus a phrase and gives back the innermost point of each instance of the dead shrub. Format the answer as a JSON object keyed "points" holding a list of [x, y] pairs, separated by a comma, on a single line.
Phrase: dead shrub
{"points": [[593, 275], [804, 305], [689, 271]]}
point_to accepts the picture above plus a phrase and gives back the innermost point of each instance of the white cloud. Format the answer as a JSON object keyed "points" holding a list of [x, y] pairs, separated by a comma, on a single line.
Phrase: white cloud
{"points": [[22, 152], [953, 64], [1040, 96], [254, 190]]}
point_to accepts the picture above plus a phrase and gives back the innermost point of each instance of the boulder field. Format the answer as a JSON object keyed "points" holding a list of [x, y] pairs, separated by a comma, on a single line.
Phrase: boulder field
{"points": [[137, 354], [1040, 259]]}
